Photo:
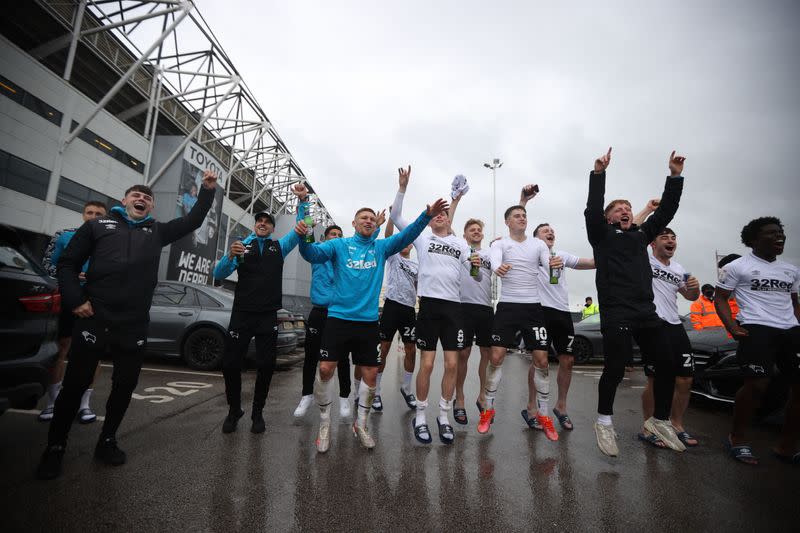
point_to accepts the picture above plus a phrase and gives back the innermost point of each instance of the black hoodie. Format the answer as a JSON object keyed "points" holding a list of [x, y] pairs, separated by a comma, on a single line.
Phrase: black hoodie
{"points": [[624, 278], [123, 270]]}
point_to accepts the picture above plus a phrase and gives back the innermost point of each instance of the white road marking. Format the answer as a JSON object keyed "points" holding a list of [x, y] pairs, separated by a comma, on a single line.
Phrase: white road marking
{"points": [[36, 412], [637, 386], [168, 371]]}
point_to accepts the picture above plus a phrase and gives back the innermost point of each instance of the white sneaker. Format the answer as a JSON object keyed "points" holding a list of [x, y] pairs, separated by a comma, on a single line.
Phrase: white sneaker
{"points": [[344, 408], [324, 437], [606, 439], [363, 436], [664, 431], [302, 407]]}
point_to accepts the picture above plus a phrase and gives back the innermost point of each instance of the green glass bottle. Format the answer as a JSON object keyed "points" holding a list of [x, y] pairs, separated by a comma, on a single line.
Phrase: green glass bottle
{"points": [[474, 270], [309, 222], [555, 273]]}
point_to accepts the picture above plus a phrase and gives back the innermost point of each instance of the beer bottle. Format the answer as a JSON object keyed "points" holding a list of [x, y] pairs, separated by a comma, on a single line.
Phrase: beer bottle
{"points": [[474, 270], [555, 273]]}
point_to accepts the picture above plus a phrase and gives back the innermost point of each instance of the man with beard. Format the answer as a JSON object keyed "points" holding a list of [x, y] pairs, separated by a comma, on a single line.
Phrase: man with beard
{"points": [[259, 290]]}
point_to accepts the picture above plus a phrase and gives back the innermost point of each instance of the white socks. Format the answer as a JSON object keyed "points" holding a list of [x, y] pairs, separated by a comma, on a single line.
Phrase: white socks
{"points": [[378, 383], [407, 381], [52, 393], [444, 409], [604, 420], [322, 393], [493, 375], [365, 396], [420, 418], [542, 383], [87, 396]]}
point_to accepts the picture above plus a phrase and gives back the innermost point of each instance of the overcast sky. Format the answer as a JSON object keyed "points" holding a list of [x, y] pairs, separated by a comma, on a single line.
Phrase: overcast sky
{"points": [[357, 89]]}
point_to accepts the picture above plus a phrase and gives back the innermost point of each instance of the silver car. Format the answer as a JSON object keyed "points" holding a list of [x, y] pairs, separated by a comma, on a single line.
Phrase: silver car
{"points": [[191, 321]]}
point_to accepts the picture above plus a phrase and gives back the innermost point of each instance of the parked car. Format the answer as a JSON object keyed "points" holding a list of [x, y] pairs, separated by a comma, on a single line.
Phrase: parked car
{"points": [[286, 324], [191, 321], [29, 307], [718, 375], [299, 328]]}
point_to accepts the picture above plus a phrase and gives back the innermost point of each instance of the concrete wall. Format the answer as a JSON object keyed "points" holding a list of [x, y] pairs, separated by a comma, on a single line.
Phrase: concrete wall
{"points": [[28, 136]]}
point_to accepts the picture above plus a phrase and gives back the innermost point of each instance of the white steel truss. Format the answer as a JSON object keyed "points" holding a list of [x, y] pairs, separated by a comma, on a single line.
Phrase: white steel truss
{"points": [[166, 51]]}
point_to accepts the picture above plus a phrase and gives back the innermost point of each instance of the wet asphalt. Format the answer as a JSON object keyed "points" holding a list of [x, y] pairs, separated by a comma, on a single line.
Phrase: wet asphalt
{"points": [[183, 474]]}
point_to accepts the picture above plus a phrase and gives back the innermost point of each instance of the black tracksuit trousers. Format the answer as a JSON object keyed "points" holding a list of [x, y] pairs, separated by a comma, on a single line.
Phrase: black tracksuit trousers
{"points": [[91, 339]]}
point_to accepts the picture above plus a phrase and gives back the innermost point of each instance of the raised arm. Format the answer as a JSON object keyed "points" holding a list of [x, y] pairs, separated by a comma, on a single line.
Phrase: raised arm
{"points": [[528, 193], [175, 229], [595, 218], [451, 213], [642, 215], [668, 205], [396, 211], [389, 226], [395, 243], [318, 252]]}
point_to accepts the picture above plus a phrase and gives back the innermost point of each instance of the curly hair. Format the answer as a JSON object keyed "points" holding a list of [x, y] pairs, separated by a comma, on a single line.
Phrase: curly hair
{"points": [[750, 231]]}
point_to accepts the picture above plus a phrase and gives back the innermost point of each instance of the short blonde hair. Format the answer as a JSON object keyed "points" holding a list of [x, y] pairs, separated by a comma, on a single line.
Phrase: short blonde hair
{"points": [[472, 221], [614, 204]]}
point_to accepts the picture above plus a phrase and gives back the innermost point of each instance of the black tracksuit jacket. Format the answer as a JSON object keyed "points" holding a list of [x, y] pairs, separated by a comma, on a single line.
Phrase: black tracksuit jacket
{"points": [[623, 276], [123, 270]]}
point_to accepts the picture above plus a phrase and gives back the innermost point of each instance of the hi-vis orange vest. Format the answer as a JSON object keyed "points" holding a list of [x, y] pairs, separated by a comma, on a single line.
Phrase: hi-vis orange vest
{"points": [[704, 315]]}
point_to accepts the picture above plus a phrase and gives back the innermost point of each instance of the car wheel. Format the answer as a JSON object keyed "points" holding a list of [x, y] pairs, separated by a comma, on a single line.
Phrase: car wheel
{"points": [[581, 349], [203, 349]]}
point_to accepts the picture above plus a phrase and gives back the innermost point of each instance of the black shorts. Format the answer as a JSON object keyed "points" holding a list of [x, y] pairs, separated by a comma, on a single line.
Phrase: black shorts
{"points": [[439, 321], [478, 321], [397, 317], [560, 329], [66, 322], [525, 318], [766, 348], [680, 350], [345, 337]]}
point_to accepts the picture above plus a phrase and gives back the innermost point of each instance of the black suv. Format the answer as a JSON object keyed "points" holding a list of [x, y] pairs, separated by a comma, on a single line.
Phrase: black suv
{"points": [[29, 307]]}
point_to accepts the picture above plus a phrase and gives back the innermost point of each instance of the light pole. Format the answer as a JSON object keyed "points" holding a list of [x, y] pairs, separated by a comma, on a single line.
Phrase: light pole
{"points": [[493, 166]]}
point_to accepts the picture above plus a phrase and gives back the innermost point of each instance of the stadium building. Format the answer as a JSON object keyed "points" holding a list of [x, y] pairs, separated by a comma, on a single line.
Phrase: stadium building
{"points": [[98, 96]]}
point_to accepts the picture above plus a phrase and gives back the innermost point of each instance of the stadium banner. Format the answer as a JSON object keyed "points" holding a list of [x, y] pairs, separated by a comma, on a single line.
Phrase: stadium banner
{"points": [[191, 259]]}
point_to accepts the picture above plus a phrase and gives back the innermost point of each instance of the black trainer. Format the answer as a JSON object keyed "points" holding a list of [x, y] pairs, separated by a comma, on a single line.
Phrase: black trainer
{"points": [[50, 464], [108, 452], [258, 422], [229, 426]]}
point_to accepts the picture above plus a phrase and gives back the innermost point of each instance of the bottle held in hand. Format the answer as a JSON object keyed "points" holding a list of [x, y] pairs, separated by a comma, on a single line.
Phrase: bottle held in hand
{"points": [[474, 270], [555, 273]]}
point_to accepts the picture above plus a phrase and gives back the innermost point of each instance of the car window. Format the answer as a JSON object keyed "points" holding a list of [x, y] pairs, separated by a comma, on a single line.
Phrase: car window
{"points": [[206, 300], [174, 295], [12, 259], [591, 319]]}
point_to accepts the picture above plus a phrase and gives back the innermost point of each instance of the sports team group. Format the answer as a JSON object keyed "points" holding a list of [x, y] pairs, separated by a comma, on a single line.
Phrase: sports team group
{"points": [[108, 269]]}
